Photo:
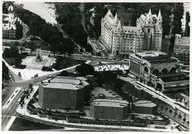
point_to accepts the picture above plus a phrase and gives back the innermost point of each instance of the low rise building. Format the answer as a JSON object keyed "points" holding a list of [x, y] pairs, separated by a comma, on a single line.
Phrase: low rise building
{"points": [[170, 82], [182, 49], [63, 92], [166, 106], [142, 65], [109, 109], [145, 107], [158, 70]]}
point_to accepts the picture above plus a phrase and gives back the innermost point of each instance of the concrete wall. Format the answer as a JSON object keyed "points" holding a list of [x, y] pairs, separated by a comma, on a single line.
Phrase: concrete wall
{"points": [[181, 117], [174, 114], [161, 66], [144, 110], [106, 112], [61, 98]]}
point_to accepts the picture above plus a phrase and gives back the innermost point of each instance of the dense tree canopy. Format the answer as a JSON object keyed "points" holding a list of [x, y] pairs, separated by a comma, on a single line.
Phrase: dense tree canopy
{"points": [[70, 18], [47, 32], [12, 52], [85, 69], [6, 53], [178, 14], [5, 72]]}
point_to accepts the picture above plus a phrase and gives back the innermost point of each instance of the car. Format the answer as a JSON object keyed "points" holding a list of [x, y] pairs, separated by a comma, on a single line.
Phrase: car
{"points": [[19, 100]]}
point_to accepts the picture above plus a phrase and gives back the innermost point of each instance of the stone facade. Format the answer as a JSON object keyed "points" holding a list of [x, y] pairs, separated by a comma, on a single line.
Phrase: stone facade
{"points": [[122, 40], [144, 64], [10, 23]]}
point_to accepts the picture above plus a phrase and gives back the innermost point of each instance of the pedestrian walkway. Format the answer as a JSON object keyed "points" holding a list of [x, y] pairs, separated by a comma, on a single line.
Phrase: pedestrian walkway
{"points": [[29, 74], [17, 90], [10, 123]]}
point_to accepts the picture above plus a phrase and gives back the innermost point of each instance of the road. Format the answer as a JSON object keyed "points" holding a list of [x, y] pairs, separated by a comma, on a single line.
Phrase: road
{"points": [[11, 101], [72, 56], [10, 105]]}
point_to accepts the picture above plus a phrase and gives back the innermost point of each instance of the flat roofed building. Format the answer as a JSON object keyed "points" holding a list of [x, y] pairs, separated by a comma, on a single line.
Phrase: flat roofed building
{"points": [[144, 64], [165, 105], [145, 107], [159, 70], [63, 92], [171, 82], [109, 109], [182, 49]]}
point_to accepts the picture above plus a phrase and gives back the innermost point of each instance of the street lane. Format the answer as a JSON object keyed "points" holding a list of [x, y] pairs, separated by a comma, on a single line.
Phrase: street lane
{"points": [[8, 112]]}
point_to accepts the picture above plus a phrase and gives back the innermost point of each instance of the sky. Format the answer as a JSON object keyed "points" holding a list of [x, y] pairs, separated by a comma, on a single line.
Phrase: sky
{"points": [[39, 9]]}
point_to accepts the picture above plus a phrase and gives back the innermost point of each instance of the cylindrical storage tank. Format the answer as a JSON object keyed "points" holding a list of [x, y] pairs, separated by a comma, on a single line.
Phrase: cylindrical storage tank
{"points": [[144, 107], [109, 109]]}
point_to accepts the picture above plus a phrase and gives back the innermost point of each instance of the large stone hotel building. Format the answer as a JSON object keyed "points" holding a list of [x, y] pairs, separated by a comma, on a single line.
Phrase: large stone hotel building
{"points": [[122, 40]]}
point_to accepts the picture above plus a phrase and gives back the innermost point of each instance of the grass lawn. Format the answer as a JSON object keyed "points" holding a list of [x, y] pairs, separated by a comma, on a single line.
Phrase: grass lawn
{"points": [[11, 61], [64, 63], [21, 124]]}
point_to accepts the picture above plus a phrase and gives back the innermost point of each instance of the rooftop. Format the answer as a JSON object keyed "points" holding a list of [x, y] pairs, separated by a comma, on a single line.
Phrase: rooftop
{"points": [[184, 41], [155, 57], [144, 103], [110, 103], [62, 86], [173, 77], [150, 54], [178, 87], [61, 82], [108, 93]]}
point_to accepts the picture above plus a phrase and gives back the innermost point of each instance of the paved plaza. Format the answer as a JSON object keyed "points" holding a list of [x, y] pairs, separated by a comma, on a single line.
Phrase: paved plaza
{"points": [[31, 63]]}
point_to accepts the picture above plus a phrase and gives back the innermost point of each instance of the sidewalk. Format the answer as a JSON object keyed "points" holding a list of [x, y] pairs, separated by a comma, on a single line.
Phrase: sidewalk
{"points": [[27, 74]]}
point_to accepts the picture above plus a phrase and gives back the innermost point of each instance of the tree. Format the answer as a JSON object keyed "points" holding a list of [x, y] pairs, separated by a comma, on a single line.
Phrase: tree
{"points": [[32, 46], [85, 69], [178, 14], [172, 42], [6, 53], [187, 30], [21, 49], [19, 31], [16, 43], [68, 45], [14, 51], [5, 72], [6, 4], [54, 43], [64, 73], [70, 17], [39, 27]]}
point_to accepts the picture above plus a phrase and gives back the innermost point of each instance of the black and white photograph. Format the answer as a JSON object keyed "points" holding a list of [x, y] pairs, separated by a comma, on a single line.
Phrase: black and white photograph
{"points": [[93, 66]]}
